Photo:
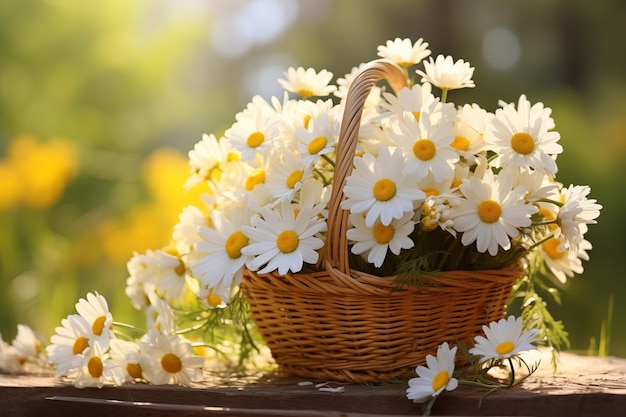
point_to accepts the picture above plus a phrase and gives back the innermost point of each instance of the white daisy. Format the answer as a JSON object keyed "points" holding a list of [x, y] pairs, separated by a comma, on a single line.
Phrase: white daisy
{"points": [[307, 83], [127, 356], [520, 138], [95, 368], [27, 345], [577, 212], [206, 158], [426, 147], [562, 262], [298, 114], [283, 240], [435, 376], [314, 196], [319, 139], [239, 181], [95, 310], [381, 187], [403, 52], [447, 74], [171, 360], [10, 361], [219, 261], [143, 279], [172, 272], [417, 100], [537, 185], [468, 131], [69, 341], [491, 212], [536, 111], [185, 233], [286, 176], [374, 242], [440, 197], [215, 297], [255, 131], [160, 316], [504, 339], [475, 117]]}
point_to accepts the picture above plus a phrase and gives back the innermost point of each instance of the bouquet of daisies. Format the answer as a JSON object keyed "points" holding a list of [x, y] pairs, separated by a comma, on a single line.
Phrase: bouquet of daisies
{"points": [[435, 186]]}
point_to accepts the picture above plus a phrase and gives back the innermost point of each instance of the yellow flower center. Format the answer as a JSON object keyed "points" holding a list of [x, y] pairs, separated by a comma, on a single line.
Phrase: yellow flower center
{"points": [[305, 92], [424, 149], [416, 114], [98, 325], [294, 178], [317, 144], [80, 344], [522, 143], [430, 192], [551, 247], [307, 120], [384, 189], [94, 366], [383, 234], [235, 242], [489, 211], [256, 178], [287, 241], [504, 348], [171, 363], [180, 269], [255, 139], [213, 299], [233, 156], [461, 143], [134, 370], [548, 216], [440, 380]]}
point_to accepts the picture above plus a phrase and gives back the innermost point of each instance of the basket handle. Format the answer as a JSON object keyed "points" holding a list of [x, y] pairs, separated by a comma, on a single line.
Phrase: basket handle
{"points": [[335, 254]]}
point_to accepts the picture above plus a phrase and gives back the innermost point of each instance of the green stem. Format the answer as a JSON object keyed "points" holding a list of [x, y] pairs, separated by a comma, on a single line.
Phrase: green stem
{"points": [[429, 406], [546, 223], [127, 326], [480, 384], [324, 179], [327, 159], [549, 200], [192, 328], [444, 95], [541, 242], [512, 382]]}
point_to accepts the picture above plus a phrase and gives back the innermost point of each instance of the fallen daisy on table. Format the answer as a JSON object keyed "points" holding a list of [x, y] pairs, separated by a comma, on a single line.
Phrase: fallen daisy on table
{"points": [[504, 341]]}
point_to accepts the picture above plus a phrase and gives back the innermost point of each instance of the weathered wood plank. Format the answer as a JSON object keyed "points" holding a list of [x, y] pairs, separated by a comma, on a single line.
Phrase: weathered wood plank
{"points": [[583, 386]]}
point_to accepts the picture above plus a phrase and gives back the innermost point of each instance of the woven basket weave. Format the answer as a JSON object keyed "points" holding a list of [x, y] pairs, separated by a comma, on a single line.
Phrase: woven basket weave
{"points": [[334, 323]]}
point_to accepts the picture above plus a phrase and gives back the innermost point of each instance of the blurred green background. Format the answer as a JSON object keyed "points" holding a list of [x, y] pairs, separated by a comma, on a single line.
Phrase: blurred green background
{"points": [[101, 101]]}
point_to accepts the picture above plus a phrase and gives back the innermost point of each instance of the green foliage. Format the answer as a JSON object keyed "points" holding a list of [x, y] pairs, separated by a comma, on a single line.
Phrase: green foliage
{"points": [[531, 291], [219, 328], [436, 251]]}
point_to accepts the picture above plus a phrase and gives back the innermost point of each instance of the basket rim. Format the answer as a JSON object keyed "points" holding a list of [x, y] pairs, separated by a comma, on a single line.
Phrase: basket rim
{"points": [[331, 280]]}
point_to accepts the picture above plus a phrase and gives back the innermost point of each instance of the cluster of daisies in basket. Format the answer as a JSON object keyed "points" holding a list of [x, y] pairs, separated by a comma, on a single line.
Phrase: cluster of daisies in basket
{"points": [[422, 164]]}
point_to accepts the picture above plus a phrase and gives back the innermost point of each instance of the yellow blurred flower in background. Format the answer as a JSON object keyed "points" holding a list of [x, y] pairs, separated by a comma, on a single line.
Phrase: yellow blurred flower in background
{"points": [[149, 224], [35, 173]]}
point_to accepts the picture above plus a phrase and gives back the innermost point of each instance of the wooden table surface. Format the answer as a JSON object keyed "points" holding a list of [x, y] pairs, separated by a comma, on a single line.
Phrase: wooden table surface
{"points": [[582, 386]]}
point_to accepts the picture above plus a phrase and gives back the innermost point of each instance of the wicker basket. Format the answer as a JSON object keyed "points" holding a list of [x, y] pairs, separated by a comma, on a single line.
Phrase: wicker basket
{"points": [[334, 323]]}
